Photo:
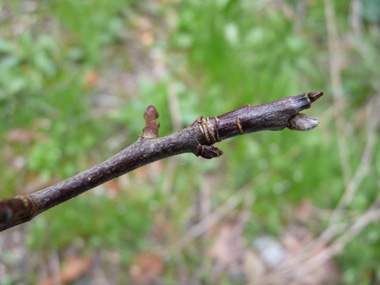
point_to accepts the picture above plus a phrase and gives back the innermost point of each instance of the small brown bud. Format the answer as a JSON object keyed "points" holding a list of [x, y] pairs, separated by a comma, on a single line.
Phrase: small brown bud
{"points": [[301, 122]]}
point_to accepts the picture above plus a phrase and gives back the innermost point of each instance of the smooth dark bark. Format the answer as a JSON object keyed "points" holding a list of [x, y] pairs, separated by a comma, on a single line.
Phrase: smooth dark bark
{"points": [[197, 138]]}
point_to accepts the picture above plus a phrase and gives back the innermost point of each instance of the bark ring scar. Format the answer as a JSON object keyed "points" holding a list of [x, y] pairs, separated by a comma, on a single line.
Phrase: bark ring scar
{"points": [[199, 121], [217, 128], [238, 125], [307, 97], [211, 135]]}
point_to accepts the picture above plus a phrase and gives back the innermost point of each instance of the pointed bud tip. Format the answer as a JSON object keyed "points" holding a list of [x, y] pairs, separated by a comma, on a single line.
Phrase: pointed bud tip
{"points": [[313, 96], [302, 122]]}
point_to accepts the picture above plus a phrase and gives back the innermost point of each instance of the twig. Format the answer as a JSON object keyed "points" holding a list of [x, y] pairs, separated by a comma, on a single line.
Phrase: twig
{"points": [[197, 138]]}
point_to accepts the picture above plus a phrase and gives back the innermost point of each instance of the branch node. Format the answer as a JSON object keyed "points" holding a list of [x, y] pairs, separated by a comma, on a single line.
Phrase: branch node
{"points": [[208, 151], [238, 125], [19, 209], [210, 133]]}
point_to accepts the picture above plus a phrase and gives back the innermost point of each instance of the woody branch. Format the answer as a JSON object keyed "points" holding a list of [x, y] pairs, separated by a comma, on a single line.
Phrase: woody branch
{"points": [[197, 138]]}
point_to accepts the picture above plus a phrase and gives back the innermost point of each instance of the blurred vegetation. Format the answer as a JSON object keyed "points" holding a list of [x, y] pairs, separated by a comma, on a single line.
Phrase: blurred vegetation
{"points": [[76, 77]]}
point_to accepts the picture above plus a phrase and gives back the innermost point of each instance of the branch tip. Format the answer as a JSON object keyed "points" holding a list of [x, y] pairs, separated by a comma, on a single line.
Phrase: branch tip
{"points": [[150, 112], [313, 96]]}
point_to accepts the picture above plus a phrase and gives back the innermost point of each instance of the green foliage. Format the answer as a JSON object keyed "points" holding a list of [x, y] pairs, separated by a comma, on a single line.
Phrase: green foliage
{"points": [[26, 65], [358, 267], [216, 56], [371, 10], [93, 24], [118, 223]]}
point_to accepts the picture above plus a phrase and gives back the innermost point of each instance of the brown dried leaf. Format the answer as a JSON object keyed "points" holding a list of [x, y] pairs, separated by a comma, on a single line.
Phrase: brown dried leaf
{"points": [[295, 240], [19, 136], [303, 211], [254, 267], [145, 31], [226, 249], [162, 229], [91, 78], [146, 267], [74, 268], [150, 171], [113, 187], [124, 182]]}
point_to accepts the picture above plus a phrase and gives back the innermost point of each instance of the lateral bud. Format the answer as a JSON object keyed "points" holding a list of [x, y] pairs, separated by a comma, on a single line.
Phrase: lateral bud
{"points": [[151, 129], [302, 122], [208, 151]]}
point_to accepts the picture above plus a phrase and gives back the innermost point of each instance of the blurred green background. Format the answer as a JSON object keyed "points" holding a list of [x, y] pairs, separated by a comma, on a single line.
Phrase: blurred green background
{"points": [[75, 80]]}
